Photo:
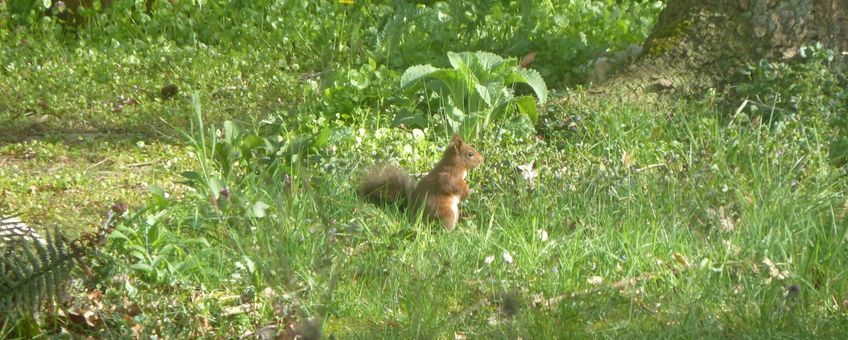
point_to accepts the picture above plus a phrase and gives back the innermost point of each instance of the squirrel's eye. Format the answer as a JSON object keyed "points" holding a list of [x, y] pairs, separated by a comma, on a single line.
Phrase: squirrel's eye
{"points": [[470, 154]]}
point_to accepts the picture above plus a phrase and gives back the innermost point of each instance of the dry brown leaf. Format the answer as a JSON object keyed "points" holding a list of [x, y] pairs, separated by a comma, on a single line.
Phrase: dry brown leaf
{"points": [[627, 159], [137, 330], [527, 59], [240, 309]]}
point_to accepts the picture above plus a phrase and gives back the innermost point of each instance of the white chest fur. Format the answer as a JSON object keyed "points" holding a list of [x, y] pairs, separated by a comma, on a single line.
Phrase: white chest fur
{"points": [[454, 204], [464, 173]]}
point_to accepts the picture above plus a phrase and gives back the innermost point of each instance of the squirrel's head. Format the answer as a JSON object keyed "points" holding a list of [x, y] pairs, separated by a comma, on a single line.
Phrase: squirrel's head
{"points": [[464, 153]]}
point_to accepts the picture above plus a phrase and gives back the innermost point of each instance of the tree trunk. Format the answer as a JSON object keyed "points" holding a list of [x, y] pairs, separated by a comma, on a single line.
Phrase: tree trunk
{"points": [[700, 44]]}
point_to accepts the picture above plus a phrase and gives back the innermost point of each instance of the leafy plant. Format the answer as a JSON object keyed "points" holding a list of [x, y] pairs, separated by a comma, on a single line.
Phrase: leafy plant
{"points": [[566, 34], [479, 88], [809, 91], [231, 157], [154, 252]]}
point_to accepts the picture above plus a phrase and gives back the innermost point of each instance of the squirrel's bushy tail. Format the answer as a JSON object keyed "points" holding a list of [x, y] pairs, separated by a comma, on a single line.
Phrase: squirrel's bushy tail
{"points": [[385, 184]]}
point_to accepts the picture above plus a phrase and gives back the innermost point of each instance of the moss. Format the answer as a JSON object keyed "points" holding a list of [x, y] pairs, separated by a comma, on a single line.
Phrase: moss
{"points": [[669, 37]]}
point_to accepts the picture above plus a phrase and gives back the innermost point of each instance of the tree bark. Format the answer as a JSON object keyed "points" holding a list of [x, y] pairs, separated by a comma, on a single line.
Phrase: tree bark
{"points": [[701, 44]]}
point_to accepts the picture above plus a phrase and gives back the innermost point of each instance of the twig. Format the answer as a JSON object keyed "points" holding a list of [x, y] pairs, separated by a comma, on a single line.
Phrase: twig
{"points": [[96, 164], [139, 164], [741, 107], [649, 167], [766, 106]]}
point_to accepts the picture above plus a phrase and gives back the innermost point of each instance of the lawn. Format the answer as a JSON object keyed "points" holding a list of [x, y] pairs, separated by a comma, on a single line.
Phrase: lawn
{"points": [[237, 141]]}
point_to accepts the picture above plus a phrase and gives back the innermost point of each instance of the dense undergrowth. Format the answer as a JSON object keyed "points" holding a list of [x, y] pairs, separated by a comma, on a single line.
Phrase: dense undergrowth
{"points": [[680, 219]]}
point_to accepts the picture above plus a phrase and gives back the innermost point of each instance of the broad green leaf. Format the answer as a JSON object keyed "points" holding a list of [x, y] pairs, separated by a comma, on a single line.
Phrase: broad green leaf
{"points": [[142, 267], [215, 186], [488, 60], [484, 93], [126, 230], [154, 218], [454, 81], [498, 92], [534, 79], [157, 260], [322, 137], [251, 142], [167, 250], [459, 60], [183, 266], [414, 74], [300, 144], [117, 235], [231, 132], [527, 106], [409, 118], [139, 254], [200, 240], [157, 191], [270, 147], [191, 175], [467, 68]]}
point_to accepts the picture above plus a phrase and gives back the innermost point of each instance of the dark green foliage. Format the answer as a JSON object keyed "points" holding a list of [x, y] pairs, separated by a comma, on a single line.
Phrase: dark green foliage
{"points": [[808, 90], [33, 270]]}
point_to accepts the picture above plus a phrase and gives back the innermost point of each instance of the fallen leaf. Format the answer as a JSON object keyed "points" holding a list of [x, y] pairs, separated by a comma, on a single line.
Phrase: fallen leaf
{"points": [[235, 310], [595, 280], [626, 159], [137, 330], [681, 260], [527, 59], [265, 333], [528, 173], [95, 295], [543, 235]]}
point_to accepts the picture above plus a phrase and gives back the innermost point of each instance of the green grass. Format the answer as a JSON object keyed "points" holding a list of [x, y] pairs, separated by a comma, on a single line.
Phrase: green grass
{"points": [[673, 220], [699, 232], [73, 179]]}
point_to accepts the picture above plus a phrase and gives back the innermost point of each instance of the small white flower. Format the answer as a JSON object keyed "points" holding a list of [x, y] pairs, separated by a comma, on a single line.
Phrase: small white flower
{"points": [[543, 235], [507, 257], [417, 134], [489, 259], [493, 321], [527, 172]]}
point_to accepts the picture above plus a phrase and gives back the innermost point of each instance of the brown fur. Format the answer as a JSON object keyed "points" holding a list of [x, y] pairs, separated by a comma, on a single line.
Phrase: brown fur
{"points": [[385, 184], [438, 193]]}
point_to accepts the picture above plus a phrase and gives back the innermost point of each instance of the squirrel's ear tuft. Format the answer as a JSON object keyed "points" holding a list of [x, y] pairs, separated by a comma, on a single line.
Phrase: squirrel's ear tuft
{"points": [[457, 139]]}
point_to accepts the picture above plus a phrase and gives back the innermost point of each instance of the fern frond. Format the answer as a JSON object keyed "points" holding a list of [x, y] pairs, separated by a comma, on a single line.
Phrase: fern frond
{"points": [[33, 269]]}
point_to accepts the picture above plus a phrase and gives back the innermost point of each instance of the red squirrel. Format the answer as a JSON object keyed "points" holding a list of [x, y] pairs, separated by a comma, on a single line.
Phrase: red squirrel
{"points": [[438, 193]]}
